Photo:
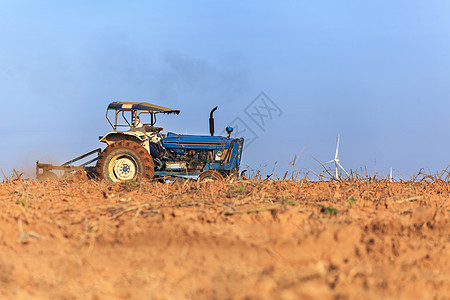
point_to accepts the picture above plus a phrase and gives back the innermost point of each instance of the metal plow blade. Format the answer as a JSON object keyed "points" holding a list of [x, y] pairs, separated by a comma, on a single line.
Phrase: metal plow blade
{"points": [[67, 169]]}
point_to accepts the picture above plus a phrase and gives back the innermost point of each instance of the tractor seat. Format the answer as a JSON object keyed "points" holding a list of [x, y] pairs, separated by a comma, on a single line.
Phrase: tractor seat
{"points": [[149, 128]]}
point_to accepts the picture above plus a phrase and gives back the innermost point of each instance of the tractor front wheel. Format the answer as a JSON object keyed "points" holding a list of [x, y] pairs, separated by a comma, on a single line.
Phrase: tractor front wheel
{"points": [[210, 175], [124, 161]]}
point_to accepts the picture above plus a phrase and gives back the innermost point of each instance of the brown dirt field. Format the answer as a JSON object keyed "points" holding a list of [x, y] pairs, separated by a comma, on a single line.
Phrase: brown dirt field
{"points": [[243, 240]]}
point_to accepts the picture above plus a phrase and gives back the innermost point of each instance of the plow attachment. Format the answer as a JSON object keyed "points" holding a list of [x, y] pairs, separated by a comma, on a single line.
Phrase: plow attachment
{"points": [[67, 169]]}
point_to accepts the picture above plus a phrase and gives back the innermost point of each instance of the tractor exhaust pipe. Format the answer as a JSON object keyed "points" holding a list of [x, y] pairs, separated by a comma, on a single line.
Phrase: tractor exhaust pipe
{"points": [[211, 121]]}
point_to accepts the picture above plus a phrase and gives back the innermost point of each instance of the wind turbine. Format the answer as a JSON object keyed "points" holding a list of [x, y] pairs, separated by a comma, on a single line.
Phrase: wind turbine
{"points": [[293, 162], [390, 176], [336, 161]]}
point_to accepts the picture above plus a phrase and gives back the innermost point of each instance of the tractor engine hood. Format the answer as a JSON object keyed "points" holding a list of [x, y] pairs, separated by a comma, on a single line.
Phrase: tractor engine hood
{"points": [[204, 142]]}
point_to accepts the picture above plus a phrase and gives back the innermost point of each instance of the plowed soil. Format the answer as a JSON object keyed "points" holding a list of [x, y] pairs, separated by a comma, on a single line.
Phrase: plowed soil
{"points": [[82, 239]]}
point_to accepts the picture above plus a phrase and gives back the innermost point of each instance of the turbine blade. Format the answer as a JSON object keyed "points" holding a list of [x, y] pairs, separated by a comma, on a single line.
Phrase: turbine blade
{"points": [[337, 148], [323, 165], [329, 161], [343, 169], [295, 160]]}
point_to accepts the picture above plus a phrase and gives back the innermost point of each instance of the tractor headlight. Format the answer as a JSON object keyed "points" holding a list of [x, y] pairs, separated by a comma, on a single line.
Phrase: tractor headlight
{"points": [[219, 155]]}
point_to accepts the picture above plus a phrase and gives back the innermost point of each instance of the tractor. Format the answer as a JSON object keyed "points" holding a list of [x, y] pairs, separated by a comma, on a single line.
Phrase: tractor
{"points": [[137, 149]]}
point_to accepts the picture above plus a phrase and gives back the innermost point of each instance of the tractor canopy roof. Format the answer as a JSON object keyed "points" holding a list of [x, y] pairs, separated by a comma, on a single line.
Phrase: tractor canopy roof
{"points": [[122, 105]]}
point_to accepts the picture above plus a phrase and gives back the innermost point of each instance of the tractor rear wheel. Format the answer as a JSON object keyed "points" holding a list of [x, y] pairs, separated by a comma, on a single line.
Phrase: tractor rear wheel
{"points": [[124, 161]]}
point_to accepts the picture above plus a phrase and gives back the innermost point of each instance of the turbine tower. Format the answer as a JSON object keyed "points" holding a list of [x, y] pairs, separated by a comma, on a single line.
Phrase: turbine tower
{"points": [[337, 165]]}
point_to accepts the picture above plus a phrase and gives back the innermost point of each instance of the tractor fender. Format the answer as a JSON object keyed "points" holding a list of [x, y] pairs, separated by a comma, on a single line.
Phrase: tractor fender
{"points": [[135, 136]]}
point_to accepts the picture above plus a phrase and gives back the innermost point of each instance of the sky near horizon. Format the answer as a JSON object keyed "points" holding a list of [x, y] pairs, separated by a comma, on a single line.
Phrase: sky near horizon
{"points": [[377, 73]]}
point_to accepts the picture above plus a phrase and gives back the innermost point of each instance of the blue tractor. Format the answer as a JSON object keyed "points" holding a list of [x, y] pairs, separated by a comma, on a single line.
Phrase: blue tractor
{"points": [[137, 149]]}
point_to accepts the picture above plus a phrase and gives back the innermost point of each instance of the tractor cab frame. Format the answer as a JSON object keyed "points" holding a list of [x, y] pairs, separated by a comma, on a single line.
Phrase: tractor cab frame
{"points": [[136, 109]]}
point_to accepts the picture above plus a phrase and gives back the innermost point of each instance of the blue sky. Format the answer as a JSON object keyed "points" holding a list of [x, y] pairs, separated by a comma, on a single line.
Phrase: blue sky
{"points": [[377, 73]]}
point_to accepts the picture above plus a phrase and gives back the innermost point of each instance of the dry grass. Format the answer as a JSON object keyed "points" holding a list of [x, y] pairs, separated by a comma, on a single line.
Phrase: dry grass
{"points": [[362, 237]]}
